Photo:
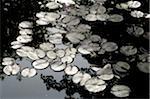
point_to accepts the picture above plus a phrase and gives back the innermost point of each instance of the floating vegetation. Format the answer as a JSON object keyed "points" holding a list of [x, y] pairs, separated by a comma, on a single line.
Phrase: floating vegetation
{"points": [[64, 30], [28, 72], [120, 90]]}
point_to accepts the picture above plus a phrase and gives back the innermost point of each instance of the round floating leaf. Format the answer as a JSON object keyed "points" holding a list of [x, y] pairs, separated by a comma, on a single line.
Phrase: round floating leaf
{"points": [[115, 18], [95, 85], [51, 54], [128, 50], [40, 64], [144, 67], [120, 90], [110, 46], [75, 37], [52, 5], [46, 46], [71, 70], [91, 17], [27, 72], [58, 66], [121, 66]]}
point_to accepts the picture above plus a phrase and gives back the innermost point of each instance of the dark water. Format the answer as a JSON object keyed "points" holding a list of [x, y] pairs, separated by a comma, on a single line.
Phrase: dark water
{"points": [[15, 11]]}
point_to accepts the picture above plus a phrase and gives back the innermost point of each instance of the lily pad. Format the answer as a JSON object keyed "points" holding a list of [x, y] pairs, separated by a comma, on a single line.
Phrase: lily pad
{"points": [[46, 46], [121, 66], [75, 37], [120, 90], [51, 54], [27, 72], [144, 67], [52, 5], [110, 46], [116, 18], [11, 70], [40, 64], [128, 50], [95, 85], [71, 70], [58, 66]]}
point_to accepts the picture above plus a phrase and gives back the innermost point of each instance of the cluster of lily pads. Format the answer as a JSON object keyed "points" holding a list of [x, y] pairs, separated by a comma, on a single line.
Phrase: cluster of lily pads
{"points": [[65, 22]]}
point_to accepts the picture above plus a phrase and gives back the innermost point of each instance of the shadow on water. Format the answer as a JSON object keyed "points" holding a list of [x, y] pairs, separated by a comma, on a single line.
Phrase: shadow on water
{"points": [[57, 85]]}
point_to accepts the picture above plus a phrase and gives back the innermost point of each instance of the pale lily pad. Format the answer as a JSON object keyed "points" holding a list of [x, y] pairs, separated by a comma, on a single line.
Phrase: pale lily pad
{"points": [[32, 55], [40, 64], [42, 21], [144, 67], [77, 77], [95, 38], [25, 24], [40, 53], [52, 5], [27, 72], [102, 17], [16, 44], [25, 32], [101, 10], [71, 70], [95, 85], [46, 46], [83, 50], [60, 53], [21, 53], [27, 48], [121, 66], [110, 46], [70, 51], [105, 73], [51, 16], [91, 17], [75, 37], [51, 54], [55, 38], [54, 30], [58, 66], [120, 90], [67, 59], [66, 2], [137, 14], [24, 38], [116, 18], [128, 50], [8, 61], [74, 22], [11, 70], [85, 78], [40, 14], [83, 28], [134, 4]]}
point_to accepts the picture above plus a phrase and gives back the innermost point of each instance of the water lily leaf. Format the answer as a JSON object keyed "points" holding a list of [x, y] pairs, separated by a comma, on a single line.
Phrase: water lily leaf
{"points": [[71, 70], [110, 46], [95, 85], [40, 64], [144, 67], [128, 50], [52, 5], [25, 24], [46, 46], [67, 59], [51, 54], [27, 72], [91, 17], [75, 37], [116, 18], [121, 66], [60, 53], [120, 90], [11, 70], [58, 66], [8, 61], [24, 38], [56, 38]]}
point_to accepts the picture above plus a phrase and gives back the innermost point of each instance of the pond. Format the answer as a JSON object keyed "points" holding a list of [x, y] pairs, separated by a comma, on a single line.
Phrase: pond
{"points": [[75, 49]]}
